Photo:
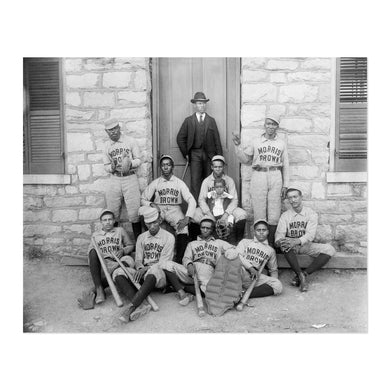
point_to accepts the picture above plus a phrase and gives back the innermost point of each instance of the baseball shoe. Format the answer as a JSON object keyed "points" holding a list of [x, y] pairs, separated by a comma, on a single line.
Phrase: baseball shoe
{"points": [[295, 281], [186, 300], [302, 282], [131, 313], [100, 295]]}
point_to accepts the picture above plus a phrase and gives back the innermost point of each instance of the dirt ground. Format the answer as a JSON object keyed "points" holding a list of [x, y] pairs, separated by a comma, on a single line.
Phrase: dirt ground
{"points": [[336, 298]]}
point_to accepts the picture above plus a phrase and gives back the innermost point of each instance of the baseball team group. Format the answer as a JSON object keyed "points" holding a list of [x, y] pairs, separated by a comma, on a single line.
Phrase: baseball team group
{"points": [[191, 240]]}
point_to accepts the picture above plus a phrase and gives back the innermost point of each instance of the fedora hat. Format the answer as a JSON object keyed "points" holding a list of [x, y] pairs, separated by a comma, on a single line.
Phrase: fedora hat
{"points": [[199, 97]]}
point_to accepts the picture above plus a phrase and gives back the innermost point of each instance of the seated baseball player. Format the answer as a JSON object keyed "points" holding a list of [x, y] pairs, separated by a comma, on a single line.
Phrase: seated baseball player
{"points": [[200, 256], [232, 210], [169, 192], [109, 239], [295, 234], [253, 253], [153, 249]]}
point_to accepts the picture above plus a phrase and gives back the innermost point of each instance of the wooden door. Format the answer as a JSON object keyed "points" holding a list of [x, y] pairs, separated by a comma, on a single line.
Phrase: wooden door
{"points": [[175, 81]]}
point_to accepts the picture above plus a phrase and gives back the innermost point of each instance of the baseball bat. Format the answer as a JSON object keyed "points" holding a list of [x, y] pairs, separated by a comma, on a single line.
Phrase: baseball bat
{"points": [[111, 284], [199, 300], [249, 290], [185, 171], [137, 285]]}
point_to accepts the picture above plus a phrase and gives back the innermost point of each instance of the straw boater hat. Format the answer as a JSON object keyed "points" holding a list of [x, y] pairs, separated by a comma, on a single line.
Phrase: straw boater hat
{"points": [[199, 97]]}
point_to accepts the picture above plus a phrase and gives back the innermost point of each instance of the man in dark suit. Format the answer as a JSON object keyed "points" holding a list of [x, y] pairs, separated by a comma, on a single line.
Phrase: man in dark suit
{"points": [[199, 142]]}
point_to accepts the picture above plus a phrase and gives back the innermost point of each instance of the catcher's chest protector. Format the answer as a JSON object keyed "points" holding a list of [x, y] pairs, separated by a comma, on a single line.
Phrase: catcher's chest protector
{"points": [[224, 288]]}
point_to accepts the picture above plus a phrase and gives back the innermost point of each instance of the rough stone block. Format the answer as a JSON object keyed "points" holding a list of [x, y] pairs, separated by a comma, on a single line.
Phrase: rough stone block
{"points": [[84, 172], [304, 171], [131, 63], [250, 76], [309, 76], [310, 110], [321, 124], [309, 141], [98, 170], [99, 99], [35, 189], [360, 217], [87, 80], [339, 189], [297, 156], [325, 93], [141, 81], [252, 115], [130, 97], [351, 232], [297, 124], [304, 186], [75, 158], [77, 115], [130, 113], [278, 77], [324, 233], [253, 62], [32, 202], [259, 93], [298, 93], [98, 185], [63, 201], [317, 63], [323, 206], [97, 201], [335, 219], [54, 241], [71, 169], [246, 172], [95, 157], [64, 215], [36, 216], [320, 157], [98, 63], [70, 190], [79, 141], [81, 242], [116, 79], [77, 228], [73, 99], [99, 145], [90, 214], [248, 135], [352, 206], [282, 65], [40, 230], [91, 127], [318, 190], [73, 65], [140, 128]]}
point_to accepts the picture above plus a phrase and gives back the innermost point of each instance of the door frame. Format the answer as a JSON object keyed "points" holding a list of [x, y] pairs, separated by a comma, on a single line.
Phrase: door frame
{"points": [[233, 91]]}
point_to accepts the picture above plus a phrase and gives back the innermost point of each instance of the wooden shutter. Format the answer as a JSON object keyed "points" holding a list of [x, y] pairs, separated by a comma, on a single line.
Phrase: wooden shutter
{"points": [[43, 133], [351, 126]]}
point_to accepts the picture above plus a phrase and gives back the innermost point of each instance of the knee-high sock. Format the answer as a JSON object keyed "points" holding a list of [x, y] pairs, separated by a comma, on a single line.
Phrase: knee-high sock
{"points": [[194, 230], [95, 268], [271, 235], [145, 290], [262, 291], [292, 259], [173, 280], [181, 245], [317, 263], [125, 286], [191, 289], [137, 229], [240, 230]]}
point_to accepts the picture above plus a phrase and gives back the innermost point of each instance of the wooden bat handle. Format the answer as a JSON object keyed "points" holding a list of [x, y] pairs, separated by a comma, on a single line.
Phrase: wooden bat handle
{"points": [[114, 291], [136, 284], [185, 170], [199, 300]]}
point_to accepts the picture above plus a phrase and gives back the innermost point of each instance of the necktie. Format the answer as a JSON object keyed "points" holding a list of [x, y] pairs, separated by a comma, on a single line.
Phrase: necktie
{"points": [[200, 118]]}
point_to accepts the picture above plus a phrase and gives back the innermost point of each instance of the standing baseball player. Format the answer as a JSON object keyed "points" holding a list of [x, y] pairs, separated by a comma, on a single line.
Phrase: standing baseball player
{"points": [[295, 234], [121, 158], [232, 209], [201, 256], [253, 252], [270, 176], [154, 248], [198, 140], [109, 239], [169, 192]]}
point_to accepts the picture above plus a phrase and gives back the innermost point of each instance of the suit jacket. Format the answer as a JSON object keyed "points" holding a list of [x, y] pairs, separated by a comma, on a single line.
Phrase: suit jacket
{"points": [[211, 143]]}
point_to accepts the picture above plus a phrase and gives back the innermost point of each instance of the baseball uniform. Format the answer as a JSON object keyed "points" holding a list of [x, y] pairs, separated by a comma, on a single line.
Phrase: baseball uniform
{"points": [[252, 253], [204, 254], [112, 241], [123, 184], [269, 158], [169, 195], [302, 225]]}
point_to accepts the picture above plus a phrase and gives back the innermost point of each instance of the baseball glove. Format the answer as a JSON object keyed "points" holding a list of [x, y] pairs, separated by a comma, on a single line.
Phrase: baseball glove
{"points": [[223, 229], [126, 164]]}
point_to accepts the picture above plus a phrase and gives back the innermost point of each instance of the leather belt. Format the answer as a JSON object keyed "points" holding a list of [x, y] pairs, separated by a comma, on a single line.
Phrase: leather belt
{"points": [[205, 261], [266, 169], [120, 174]]}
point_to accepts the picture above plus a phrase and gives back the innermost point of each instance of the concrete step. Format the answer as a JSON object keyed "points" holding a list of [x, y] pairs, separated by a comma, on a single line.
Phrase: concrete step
{"points": [[340, 260]]}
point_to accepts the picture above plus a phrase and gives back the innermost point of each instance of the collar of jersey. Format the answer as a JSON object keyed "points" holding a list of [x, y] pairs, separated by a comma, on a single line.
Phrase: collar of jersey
{"points": [[259, 242], [263, 139], [211, 238]]}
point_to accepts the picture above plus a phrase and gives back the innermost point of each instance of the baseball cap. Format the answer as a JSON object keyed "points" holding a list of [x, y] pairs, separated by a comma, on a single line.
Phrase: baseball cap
{"points": [[207, 218], [218, 158], [150, 214], [106, 211], [167, 156], [274, 117], [111, 123], [262, 221]]}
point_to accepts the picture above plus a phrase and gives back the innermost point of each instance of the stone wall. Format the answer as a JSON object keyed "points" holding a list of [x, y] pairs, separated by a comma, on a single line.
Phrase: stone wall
{"points": [[300, 90], [60, 218]]}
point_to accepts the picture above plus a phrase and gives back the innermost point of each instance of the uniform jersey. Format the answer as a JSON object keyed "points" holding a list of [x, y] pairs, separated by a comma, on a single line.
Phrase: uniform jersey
{"points": [[115, 151], [265, 153], [169, 193], [253, 252], [112, 241], [155, 249], [301, 225], [207, 251], [208, 185]]}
